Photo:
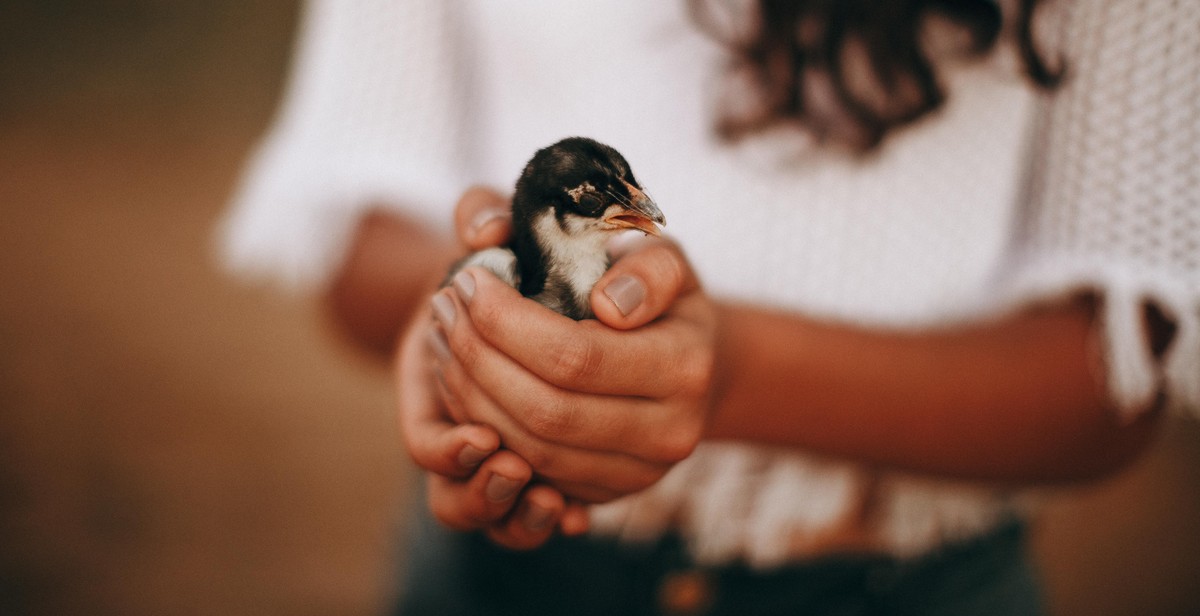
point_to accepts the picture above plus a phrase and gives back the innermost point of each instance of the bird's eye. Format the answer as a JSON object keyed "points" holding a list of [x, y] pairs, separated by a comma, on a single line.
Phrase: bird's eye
{"points": [[590, 202]]}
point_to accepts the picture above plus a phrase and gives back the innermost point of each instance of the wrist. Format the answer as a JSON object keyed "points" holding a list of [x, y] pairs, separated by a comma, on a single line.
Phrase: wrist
{"points": [[390, 266], [724, 367]]}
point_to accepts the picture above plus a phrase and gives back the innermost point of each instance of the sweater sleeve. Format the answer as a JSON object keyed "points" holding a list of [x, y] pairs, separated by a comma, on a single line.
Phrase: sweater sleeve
{"points": [[374, 115], [1114, 202]]}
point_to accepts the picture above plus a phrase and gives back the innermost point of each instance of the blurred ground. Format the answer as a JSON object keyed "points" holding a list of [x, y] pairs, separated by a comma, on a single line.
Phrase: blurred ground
{"points": [[171, 442]]}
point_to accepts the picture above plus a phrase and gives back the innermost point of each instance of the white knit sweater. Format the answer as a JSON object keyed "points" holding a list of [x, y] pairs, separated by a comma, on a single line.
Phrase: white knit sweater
{"points": [[999, 199]]}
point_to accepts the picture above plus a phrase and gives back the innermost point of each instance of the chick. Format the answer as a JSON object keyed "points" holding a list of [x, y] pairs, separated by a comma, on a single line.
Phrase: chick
{"points": [[570, 199]]}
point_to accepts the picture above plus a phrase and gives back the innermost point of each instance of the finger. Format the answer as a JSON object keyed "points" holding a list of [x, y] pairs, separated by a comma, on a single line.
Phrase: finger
{"points": [[450, 402], [585, 493], [585, 356], [433, 442], [532, 522], [642, 284], [614, 472], [456, 451], [482, 218], [485, 498], [575, 520]]}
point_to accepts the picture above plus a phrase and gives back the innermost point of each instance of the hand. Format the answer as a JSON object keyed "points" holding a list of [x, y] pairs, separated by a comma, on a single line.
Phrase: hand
{"points": [[471, 483], [599, 409]]}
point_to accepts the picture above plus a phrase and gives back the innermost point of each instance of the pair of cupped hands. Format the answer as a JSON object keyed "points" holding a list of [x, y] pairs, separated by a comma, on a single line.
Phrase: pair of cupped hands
{"points": [[521, 416]]}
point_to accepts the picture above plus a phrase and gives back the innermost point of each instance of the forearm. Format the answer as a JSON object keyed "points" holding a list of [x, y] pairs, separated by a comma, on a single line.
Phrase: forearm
{"points": [[392, 264], [1012, 400]]}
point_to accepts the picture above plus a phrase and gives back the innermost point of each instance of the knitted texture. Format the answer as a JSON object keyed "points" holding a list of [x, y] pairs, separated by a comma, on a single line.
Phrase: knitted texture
{"points": [[349, 139], [1116, 186]]}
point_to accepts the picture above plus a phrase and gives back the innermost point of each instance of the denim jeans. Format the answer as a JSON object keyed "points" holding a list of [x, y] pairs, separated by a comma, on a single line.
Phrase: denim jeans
{"points": [[463, 574]]}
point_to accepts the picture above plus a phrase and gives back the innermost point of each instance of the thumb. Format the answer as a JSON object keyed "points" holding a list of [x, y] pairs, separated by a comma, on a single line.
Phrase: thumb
{"points": [[642, 284], [482, 218]]}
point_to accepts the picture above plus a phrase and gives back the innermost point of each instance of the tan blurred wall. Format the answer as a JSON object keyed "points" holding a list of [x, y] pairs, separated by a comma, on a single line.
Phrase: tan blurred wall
{"points": [[172, 442]]}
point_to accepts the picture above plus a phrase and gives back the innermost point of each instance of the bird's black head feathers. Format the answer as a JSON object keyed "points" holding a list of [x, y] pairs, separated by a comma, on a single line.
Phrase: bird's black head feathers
{"points": [[576, 175]]}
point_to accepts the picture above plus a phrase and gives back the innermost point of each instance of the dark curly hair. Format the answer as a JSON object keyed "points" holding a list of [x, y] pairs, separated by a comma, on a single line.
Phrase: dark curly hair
{"points": [[849, 71]]}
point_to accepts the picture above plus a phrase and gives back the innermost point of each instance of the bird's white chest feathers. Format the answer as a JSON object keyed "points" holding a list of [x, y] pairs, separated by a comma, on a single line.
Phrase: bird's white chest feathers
{"points": [[576, 255]]}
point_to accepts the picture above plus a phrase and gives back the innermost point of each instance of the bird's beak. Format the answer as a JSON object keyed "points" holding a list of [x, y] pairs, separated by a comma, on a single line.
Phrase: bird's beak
{"points": [[642, 213]]}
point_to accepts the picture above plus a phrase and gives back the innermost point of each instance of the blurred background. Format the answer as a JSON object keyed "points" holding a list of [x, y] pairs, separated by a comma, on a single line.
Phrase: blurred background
{"points": [[173, 442]]}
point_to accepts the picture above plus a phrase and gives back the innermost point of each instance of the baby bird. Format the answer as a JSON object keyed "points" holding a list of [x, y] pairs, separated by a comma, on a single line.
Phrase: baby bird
{"points": [[570, 199]]}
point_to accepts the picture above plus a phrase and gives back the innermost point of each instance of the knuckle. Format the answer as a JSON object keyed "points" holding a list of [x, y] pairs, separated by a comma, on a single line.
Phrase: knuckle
{"points": [[467, 350], [640, 480], [575, 360], [474, 506], [422, 456], [592, 495], [424, 461], [445, 519], [423, 451], [695, 371], [447, 515], [539, 456], [551, 418], [679, 443], [486, 317]]}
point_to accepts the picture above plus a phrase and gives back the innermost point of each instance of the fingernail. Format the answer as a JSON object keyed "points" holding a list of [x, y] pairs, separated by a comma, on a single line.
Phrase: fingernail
{"points": [[464, 283], [443, 309], [500, 489], [484, 217], [437, 342], [537, 518], [626, 292], [470, 457]]}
